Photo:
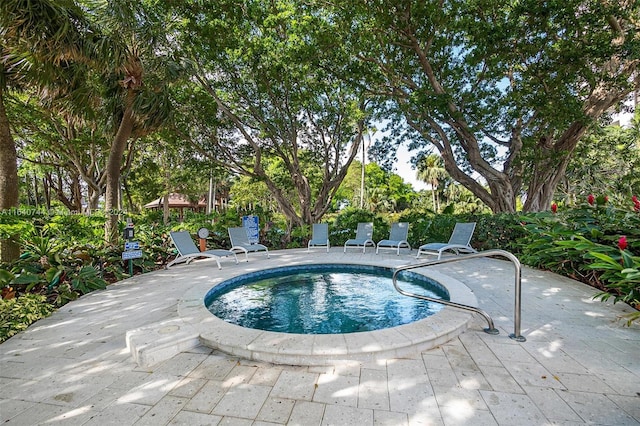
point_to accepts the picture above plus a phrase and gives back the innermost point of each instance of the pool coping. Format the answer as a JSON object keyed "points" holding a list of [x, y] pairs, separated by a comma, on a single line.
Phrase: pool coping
{"points": [[195, 325]]}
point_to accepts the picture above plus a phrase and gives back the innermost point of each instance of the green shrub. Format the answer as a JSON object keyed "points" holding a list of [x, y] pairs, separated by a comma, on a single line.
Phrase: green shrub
{"points": [[346, 223], [19, 313]]}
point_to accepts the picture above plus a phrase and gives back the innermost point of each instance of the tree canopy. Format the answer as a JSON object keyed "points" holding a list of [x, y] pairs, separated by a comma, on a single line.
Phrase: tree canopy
{"points": [[283, 93], [503, 91]]}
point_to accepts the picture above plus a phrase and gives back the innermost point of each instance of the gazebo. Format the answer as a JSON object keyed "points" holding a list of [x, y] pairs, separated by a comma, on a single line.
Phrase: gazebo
{"points": [[178, 202]]}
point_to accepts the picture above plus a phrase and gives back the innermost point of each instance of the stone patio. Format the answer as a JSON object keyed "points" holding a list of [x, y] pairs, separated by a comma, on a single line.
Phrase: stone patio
{"points": [[579, 364]]}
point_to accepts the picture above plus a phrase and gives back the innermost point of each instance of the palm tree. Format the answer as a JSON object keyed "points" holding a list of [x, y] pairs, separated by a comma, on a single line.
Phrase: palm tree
{"points": [[41, 40], [137, 76], [431, 170]]}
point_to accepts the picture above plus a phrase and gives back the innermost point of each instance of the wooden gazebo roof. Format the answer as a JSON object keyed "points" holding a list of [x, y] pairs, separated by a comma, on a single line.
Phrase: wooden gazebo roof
{"points": [[177, 201]]}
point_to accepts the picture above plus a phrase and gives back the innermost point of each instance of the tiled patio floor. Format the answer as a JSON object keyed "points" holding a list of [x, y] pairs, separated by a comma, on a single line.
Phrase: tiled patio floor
{"points": [[579, 365]]}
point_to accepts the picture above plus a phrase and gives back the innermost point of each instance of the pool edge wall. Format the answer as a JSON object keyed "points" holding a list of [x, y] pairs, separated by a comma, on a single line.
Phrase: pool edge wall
{"points": [[195, 325]]}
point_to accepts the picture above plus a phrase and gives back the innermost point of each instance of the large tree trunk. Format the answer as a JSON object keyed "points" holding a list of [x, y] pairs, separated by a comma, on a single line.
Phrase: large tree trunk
{"points": [[9, 248], [113, 170]]}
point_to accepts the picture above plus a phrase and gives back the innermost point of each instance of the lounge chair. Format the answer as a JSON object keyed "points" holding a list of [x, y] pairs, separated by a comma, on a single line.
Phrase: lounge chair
{"points": [[320, 236], [187, 250], [397, 238], [459, 242], [240, 242], [363, 237]]}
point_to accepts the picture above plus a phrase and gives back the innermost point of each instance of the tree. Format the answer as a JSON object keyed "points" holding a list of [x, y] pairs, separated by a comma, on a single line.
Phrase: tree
{"points": [[607, 164], [52, 138], [384, 190], [502, 90], [137, 75], [264, 91], [431, 171], [41, 40]]}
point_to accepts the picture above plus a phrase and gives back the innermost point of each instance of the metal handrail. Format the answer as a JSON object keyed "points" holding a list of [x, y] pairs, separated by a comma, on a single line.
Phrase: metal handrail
{"points": [[518, 284]]}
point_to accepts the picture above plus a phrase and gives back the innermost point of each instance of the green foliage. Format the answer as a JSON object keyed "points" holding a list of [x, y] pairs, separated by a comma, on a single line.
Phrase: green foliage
{"points": [[582, 243], [607, 159], [577, 242], [618, 270], [346, 223], [18, 313]]}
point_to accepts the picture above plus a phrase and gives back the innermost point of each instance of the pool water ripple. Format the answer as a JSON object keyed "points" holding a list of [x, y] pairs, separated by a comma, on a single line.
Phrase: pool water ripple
{"points": [[325, 299]]}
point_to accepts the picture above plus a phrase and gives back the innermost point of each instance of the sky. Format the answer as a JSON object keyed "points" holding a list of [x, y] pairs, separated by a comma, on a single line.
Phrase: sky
{"points": [[404, 169]]}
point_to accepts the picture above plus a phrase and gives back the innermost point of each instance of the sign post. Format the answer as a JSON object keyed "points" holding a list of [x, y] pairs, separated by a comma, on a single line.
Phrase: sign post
{"points": [[250, 224], [131, 248], [203, 233]]}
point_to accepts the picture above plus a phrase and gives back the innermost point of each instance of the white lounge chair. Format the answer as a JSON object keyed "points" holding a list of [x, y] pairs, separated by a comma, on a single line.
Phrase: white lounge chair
{"points": [[187, 250], [319, 236], [240, 242], [397, 238], [459, 242], [363, 237]]}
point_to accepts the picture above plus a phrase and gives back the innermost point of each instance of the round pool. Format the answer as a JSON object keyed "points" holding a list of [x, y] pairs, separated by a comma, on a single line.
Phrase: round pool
{"points": [[323, 299]]}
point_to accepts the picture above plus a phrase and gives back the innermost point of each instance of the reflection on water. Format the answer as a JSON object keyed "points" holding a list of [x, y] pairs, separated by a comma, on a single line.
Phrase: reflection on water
{"points": [[335, 300]]}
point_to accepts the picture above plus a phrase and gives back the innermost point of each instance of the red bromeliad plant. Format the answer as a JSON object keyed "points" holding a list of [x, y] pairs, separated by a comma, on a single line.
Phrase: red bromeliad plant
{"points": [[622, 242], [619, 271]]}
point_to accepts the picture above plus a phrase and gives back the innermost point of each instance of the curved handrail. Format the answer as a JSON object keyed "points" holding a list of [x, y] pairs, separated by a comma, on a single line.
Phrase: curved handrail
{"points": [[518, 283]]}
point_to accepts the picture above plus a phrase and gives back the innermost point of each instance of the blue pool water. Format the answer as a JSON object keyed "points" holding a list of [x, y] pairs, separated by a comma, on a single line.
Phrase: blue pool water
{"points": [[323, 299]]}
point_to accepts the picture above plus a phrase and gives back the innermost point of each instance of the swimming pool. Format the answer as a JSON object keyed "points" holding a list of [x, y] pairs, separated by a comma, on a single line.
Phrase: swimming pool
{"points": [[323, 299], [196, 326]]}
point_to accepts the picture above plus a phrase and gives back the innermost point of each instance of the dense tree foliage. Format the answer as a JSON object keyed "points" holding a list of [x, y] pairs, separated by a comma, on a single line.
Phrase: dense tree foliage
{"points": [[262, 91], [114, 103], [41, 42], [502, 90]]}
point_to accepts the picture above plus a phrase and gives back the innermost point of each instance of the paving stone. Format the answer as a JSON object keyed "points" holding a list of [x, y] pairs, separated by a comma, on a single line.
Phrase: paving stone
{"points": [[235, 421], [389, 418], [295, 384], [242, 401], [336, 389], [155, 387], [596, 408], [194, 419], [472, 379], [578, 366], [465, 400], [464, 415], [207, 397], [339, 415], [551, 405], [214, 367], [512, 409], [500, 379], [239, 374], [372, 390], [118, 414], [276, 410], [583, 382], [163, 411], [264, 375], [187, 387], [11, 408], [306, 413], [630, 405], [480, 353], [533, 375]]}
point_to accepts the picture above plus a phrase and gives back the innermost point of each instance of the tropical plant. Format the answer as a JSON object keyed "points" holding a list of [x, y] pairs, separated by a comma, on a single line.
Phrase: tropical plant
{"points": [[431, 170], [18, 313], [41, 42], [618, 269]]}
